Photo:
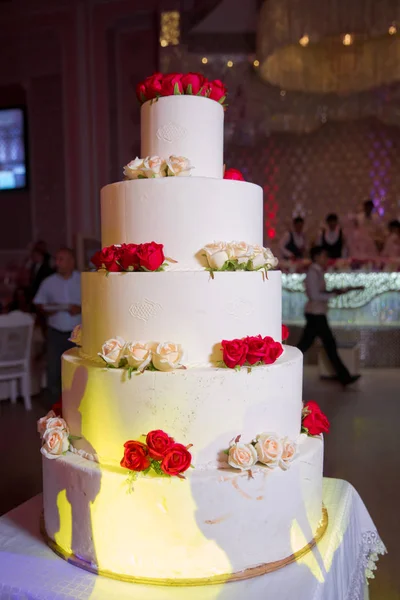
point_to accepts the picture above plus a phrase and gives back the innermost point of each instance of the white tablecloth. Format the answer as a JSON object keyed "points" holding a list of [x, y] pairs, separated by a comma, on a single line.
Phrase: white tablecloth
{"points": [[335, 570]]}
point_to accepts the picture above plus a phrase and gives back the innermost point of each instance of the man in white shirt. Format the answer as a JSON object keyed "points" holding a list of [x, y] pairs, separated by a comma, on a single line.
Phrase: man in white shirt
{"points": [[315, 312], [59, 298]]}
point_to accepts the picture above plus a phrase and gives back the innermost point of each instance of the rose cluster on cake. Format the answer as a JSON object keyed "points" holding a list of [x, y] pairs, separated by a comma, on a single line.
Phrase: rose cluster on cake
{"points": [[154, 167], [159, 453], [267, 448], [250, 351], [159, 85], [55, 435], [234, 174], [130, 257], [139, 356], [313, 420], [238, 256]]}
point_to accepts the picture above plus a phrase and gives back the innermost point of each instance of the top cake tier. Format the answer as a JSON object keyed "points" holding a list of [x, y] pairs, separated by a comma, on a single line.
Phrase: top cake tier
{"points": [[190, 126]]}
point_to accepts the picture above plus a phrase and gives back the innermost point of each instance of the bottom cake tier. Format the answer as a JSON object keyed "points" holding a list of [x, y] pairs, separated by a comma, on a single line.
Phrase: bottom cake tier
{"points": [[214, 523]]}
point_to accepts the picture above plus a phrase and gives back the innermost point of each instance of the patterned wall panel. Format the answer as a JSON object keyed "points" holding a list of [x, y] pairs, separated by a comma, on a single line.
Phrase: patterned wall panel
{"points": [[331, 169]]}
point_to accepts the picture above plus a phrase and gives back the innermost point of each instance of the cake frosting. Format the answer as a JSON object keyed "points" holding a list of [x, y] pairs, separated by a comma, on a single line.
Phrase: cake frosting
{"points": [[190, 352]]}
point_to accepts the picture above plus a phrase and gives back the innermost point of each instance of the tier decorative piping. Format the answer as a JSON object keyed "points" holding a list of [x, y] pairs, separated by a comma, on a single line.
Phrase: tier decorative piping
{"points": [[171, 132], [145, 311]]}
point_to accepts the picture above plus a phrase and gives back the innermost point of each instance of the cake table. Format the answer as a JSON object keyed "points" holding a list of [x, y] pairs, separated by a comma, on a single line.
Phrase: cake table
{"points": [[338, 568]]}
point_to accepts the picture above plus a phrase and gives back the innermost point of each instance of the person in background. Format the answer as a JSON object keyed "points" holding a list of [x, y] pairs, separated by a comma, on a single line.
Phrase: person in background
{"points": [[331, 238], [293, 242], [39, 270], [315, 312], [391, 248], [359, 242], [59, 298], [370, 221]]}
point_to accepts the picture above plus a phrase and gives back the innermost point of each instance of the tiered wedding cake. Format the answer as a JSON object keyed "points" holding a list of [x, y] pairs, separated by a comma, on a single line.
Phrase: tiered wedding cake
{"points": [[247, 502]]}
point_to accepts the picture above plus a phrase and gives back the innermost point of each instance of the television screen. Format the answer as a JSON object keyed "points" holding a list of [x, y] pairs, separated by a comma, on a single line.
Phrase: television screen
{"points": [[13, 175]]}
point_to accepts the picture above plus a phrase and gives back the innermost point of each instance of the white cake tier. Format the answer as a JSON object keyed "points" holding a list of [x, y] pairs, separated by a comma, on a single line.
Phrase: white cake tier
{"points": [[183, 213], [189, 126], [206, 407], [189, 308], [213, 523]]}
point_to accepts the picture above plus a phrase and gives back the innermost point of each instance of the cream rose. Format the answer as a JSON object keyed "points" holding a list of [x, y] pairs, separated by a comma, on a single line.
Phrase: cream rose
{"points": [[269, 449], [57, 423], [134, 168], [167, 356], [241, 251], [138, 355], [154, 166], [113, 350], [242, 456], [263, 257], [289, 449], [55, 442], [178, 166], [76, 335], [42, 423], [217, 254]]}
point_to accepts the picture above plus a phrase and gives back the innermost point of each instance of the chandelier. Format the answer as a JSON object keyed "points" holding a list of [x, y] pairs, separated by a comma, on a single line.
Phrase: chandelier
{"points": [[329, 46]]}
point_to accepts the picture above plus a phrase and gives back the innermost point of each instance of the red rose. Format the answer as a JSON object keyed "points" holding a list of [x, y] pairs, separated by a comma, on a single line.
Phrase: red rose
{"points": [[257, 349], [107, 259], [233, 174], [195, 80], [217, 91], [177, 460], [314, 419], [128, 257], [136, 456], [151, 256], [273, 350], [158, 443], [141, 92], [169, 82], [149, 88], [285, 332], [234, 352]]}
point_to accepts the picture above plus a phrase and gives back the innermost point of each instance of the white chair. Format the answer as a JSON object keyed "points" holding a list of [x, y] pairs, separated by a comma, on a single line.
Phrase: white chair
{"points": [[15, 354]]}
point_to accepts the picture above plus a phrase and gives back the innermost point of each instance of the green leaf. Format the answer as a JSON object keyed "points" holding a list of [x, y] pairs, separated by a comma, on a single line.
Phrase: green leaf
{"points": [[237, 368], [130, 371], [226, 452], [189, 89], [200, 91], [122, 363], [222, 100], [177, 91], [141, 177], [142, 97], [73, 438], [151, 367], [156, 466]]}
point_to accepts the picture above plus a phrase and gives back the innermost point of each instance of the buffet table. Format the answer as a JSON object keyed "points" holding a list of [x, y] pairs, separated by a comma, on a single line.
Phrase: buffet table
{"points": [[336, 569], [369, 317]]}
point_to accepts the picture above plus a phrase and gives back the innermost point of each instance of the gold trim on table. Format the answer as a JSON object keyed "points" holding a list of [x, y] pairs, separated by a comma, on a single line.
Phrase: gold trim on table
{"points": [[249, 573]]}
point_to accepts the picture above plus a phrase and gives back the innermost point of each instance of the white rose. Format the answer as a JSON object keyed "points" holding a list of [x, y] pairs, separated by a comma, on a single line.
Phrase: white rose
{"points": [[269, 449], [42, 423], [242, 456], [289, 450], [57, 423], [112, 351], [270, 259], [263, 257], [76, 335], [167, 356], [241, 251], [55, 442], [217, 254], [154, 166], [178, 166], [138, 355], [134, 168]]}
